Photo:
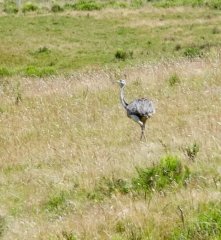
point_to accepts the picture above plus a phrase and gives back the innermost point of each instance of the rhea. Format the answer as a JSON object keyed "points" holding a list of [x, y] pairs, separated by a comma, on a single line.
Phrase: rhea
{"points": [[138, 110]]}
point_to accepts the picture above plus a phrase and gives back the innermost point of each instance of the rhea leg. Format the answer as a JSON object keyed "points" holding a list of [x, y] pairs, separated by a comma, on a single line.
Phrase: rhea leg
{"points": [[141, 123], [142, 132]]}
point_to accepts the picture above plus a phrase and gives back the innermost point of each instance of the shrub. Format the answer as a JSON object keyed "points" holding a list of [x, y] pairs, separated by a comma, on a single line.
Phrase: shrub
{"points": [[10, 7], [123, 55], [167, 172], [174, 80], [56, 8], [56, 202], [29, 7], [192, 52]]}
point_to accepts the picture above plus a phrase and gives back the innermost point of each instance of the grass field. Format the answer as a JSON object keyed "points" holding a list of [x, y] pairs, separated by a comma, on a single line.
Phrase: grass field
{"points": [[72, 165]]}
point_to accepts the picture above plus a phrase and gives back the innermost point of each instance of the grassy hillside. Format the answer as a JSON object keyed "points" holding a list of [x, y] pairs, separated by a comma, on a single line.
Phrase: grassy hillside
{"points": [[72, 165], [41, 45]]}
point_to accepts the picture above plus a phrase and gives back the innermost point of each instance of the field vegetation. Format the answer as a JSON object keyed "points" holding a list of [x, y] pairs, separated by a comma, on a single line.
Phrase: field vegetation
{"points": [[72, 165]]}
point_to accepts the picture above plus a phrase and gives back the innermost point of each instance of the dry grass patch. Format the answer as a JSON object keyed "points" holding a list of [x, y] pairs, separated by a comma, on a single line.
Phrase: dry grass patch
{"points": [[67, 133]]}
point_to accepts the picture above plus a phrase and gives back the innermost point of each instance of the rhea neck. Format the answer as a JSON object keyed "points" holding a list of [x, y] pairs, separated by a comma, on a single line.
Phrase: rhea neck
{"points": [[124, 103]]}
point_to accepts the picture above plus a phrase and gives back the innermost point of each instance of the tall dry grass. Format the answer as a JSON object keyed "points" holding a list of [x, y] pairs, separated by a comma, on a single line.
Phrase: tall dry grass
{"points": [[60, 135]]}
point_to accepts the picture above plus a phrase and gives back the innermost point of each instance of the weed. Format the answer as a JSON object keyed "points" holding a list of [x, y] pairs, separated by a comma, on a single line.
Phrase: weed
{"points": [[192, 52], [167, 172], [56, 202], [68, 235], [174, 80], [192, 151], [4, 72], [29, 7], [215, 30], [42, 50], [2, 225], [18, 94], [56, 8], [207, 224], [123, 55]]}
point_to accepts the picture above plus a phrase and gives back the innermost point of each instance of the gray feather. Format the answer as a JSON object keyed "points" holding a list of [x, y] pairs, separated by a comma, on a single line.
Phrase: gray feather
{"points": [[141, 107]]}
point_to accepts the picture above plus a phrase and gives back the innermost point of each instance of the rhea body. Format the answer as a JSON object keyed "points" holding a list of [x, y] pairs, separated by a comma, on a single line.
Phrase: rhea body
{"points": [[138, 110]]}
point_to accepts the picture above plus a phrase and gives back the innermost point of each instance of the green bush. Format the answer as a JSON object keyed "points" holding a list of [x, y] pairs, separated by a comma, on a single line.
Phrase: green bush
{"points": [[10, 7], [206, 225], [56, 8], [167, 172], [29, 7]]}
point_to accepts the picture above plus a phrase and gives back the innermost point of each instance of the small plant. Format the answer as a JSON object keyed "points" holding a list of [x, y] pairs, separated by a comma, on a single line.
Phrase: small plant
{"points": [[4, 72], [177, 47], [192, 151], [192, 52], [123, 55], [68, 235], [174, 80], [42, 50], [167, 172], [215, 30], [18, 94], [29, 7], [56, 202], [56, 8]]}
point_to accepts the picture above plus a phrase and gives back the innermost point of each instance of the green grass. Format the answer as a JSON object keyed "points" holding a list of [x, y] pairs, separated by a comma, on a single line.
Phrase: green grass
{"points": [[73, 42], [206, 225]]}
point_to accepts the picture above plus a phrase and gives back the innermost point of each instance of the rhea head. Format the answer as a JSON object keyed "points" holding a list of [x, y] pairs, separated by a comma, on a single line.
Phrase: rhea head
{"points": [[122, 83]]}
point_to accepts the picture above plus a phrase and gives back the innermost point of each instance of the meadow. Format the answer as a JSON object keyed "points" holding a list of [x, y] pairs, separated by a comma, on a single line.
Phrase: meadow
{"points": [[72, 165]]}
